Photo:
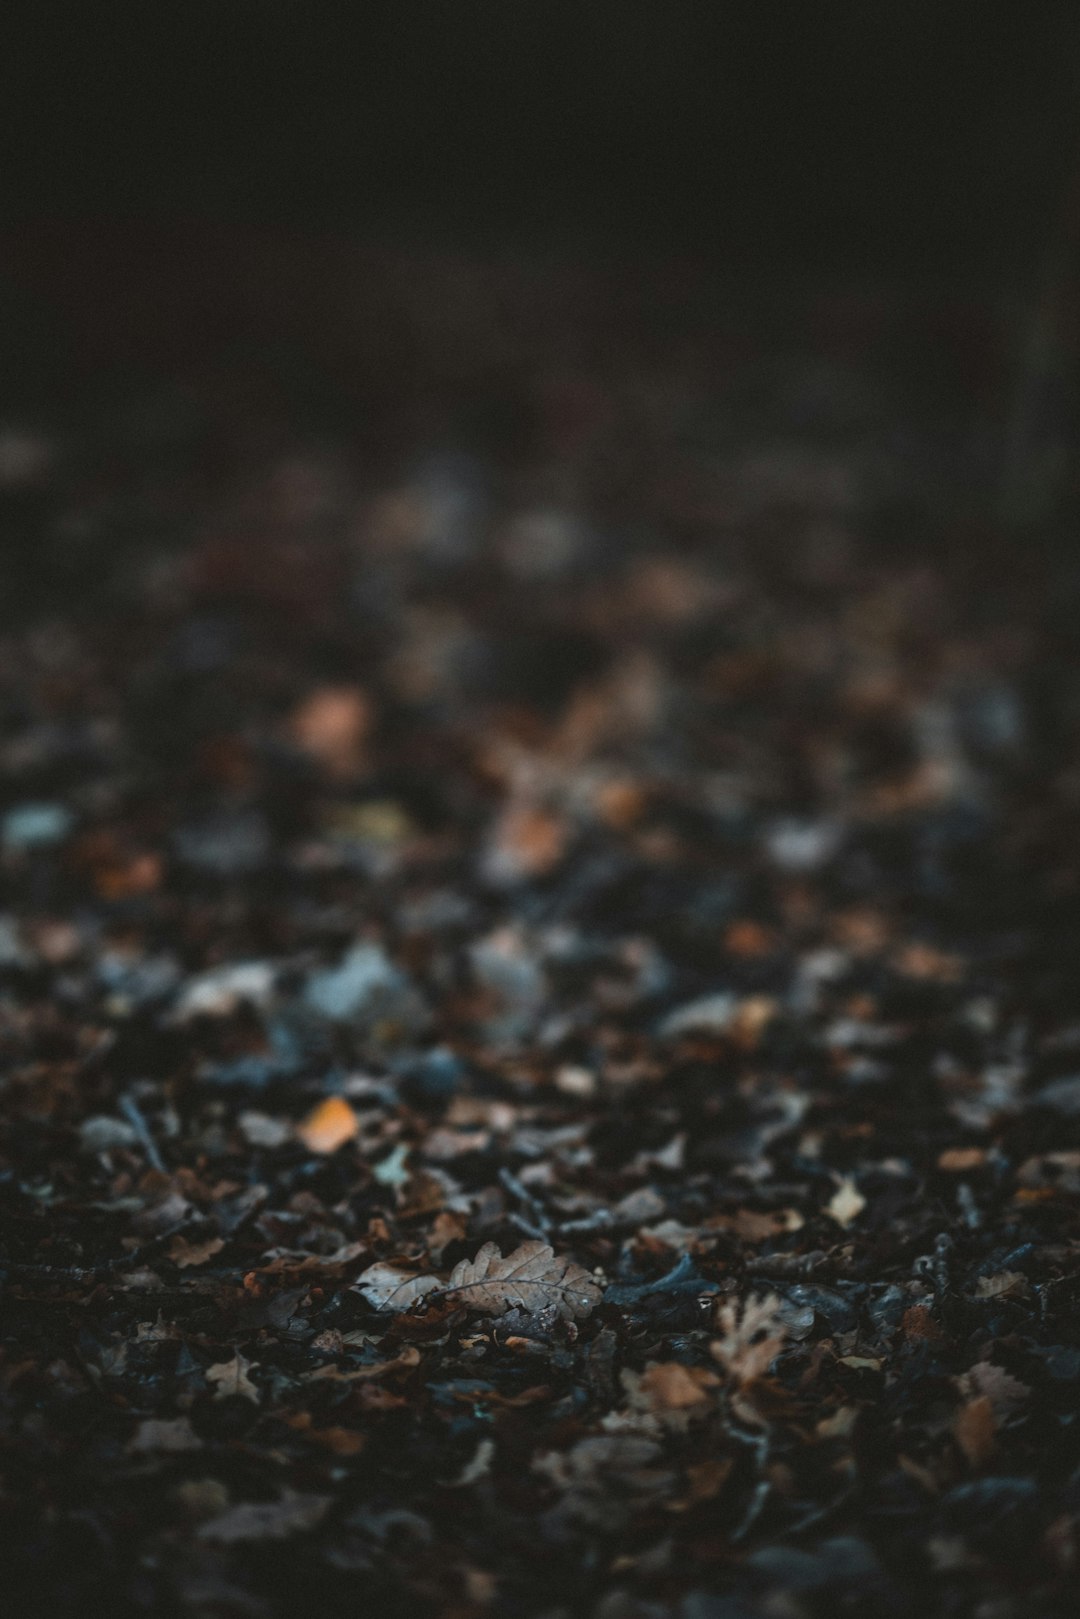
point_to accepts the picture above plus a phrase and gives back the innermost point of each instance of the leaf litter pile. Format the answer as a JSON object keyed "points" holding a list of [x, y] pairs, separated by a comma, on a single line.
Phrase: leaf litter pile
{"points": [[539, 1005]]}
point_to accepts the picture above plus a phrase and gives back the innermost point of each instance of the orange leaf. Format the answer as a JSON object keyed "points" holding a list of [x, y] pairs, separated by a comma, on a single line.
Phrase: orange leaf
{"points": [[328, 1126]]}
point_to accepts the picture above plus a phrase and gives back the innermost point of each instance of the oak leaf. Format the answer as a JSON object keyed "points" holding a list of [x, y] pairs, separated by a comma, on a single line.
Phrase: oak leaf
{"points": [[231, 1377], [751, 1339], [533, 1277]]}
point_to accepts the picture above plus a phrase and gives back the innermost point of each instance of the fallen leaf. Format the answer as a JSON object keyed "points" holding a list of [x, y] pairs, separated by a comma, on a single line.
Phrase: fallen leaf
{"points": [[409, 1357], [670, 1386], [532, 1277], [267, 1520], [328, 1126], [1005, 1393], [231, 1377], [666, 1394], [917, 1322], [958, 1160], [526, 841], [339, 1441], [156, 1332], [751, 1225], [332, 725], [262, 1129], [184, 1253], [389, 1287], [974, 1430], [201, 1497], [846, 1203], [164, 1435], [751, 1338], [1006, 1284]]}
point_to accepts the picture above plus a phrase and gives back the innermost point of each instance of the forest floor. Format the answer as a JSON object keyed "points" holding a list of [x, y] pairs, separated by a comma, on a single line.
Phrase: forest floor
{"points": [[539, 991]]}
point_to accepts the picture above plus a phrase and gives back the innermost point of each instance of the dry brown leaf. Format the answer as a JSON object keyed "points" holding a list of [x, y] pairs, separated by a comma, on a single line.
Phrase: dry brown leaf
{"points": [[974, 1429], [917, 1322], [1006, 1284], [1006, 1394], [670, 1386], [231, 1377], [532, 1277], [446, 1228], [339, 1441], [389, 1287], [184, 1253], [328, 1126], [751, 1339], [959, 1160], [752, 1225]]}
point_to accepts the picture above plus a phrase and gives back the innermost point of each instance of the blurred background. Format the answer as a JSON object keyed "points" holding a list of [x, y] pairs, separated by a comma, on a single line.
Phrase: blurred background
{"points": [[318, 202], [296, 302]]}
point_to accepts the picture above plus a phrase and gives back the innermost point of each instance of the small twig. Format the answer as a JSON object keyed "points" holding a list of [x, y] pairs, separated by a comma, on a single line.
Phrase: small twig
{"points": [[753, 1511], [132, 1113], [759, 1444], [534, 1212]]}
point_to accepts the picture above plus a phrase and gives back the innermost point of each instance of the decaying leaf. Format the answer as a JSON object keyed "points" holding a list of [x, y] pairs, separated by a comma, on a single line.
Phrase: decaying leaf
{"points": [[750, 1339], [231, 1378], [532, 1278]]}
